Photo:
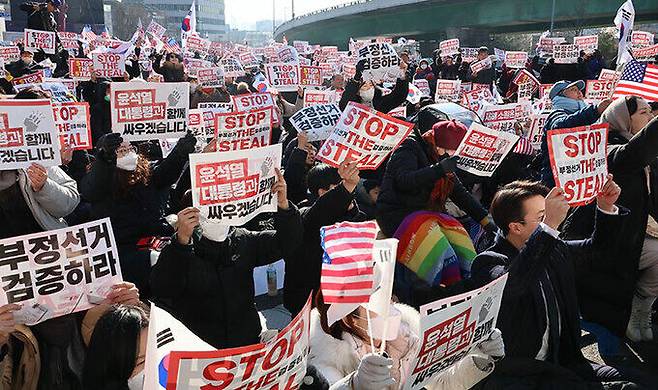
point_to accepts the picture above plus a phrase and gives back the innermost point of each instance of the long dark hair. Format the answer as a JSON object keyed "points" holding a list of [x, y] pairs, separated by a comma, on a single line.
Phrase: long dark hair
{"points": [[336, 330], [125, 180], [113, 348]]}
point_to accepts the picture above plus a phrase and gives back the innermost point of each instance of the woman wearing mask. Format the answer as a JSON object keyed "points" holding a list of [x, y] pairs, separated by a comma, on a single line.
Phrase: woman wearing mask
{"points": [[632, 151], [342, 352], [126, 187], [205, 276], [366, 92]]}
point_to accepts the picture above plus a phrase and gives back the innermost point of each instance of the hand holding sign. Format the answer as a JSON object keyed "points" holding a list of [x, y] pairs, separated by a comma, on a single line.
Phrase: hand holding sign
{"points": [[124, 293], [608, 196], [38, 176], [349, 172], [188, 219], [556, 208], [374, 373]]}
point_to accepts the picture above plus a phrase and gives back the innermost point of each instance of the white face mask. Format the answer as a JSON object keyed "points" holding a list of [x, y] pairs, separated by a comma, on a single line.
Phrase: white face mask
{"points": [[423, 66], [213, 231], [128, 162], [378, 323], [367, 95], [136, 382]]}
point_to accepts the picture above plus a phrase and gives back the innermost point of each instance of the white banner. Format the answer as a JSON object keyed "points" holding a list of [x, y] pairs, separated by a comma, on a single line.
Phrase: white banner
{"points": [[565, 54], [588, 43], [482, 150], [516, 59], [73, 126], [317, 121], [381, 61], [243, 130], [449, 47]]}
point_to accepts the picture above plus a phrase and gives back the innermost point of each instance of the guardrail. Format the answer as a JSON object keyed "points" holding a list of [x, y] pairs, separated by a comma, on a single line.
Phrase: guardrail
{"points": [[317, 12]]}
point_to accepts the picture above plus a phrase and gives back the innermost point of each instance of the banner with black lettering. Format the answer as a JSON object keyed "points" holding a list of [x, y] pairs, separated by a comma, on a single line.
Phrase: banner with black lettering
{"points": [[317, 121], [243, 130]]}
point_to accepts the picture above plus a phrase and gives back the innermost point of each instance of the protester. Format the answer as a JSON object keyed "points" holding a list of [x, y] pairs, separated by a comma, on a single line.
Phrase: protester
{"points": [[25, 65], [485, 76], [41, 15], [366, 92], [171, 69]]}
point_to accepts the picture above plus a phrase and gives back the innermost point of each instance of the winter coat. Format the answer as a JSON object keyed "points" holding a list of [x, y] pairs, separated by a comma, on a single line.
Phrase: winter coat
{"points": [[485, 76], [170, 72], [627, 161], [19, 68], [380, 102], [338, 360], [209, 285], [20, 370], [523, 315], [408, 183], [57, 199], [303, 266], [40, 19]]}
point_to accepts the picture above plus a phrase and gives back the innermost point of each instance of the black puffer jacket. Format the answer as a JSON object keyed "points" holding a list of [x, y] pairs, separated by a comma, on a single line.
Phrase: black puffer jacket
{"points": [[209, 285], [380, 102]]}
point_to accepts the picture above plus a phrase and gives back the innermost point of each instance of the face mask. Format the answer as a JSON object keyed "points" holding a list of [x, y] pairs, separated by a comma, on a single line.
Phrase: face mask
{"points": [[27, 61], [107, 98], [136, 382], [423, 66], [378, 324], [213, 231], [193, 88], [128, 162], [568, 104], [367, 95]]}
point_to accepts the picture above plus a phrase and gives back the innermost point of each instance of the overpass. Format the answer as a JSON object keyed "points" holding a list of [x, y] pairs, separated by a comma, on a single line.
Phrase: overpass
{"points": [[440, 19]]}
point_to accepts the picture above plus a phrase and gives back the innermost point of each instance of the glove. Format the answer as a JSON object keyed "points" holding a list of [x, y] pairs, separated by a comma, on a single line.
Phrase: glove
{"points": [[359, 69], [185, 145], [494, 345], [107, 147], [448, 165], [374, 373]]}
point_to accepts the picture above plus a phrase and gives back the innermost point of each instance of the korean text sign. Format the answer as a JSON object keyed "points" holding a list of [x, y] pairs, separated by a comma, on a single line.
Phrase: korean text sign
{"points": [[73, 126], [449, 47], [516, 59], [364, 135], [58, 272], [232, 67], [145, 111], [312, 97], [211, 77], [316, 121], [243, 130], [231, 188], [279, 364], [579, 161], [451, 328], [37, 39], [483, 149], [447, 90], [27, 134], [380, 61]]}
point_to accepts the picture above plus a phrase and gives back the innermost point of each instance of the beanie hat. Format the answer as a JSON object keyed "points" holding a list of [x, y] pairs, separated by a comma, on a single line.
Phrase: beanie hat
{"points": [[449, 134]]}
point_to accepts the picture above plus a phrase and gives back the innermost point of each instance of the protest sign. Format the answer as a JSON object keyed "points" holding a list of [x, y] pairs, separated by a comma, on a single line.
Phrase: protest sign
{"points": [[536, 132], [192, 65], [546, 45], [108, 64], [69, 40], [248, 60], [243, 130], [476, 67], [27, 134], [469, 54], [231, 188], [500, 117], [610, 75], [228, 106], [523, 77], [251, 101], [587, 43], [283, 77], [646, 53], [640, 39], [317, 121], [198, 44], [380, 60], [482, 149], [32, 78], [451, 328], [287, 54], [579, 161], [312, 97], [544, 90], [73, 126], [477, 99], [399, 111], [565, 54], [10, 53], [59, 272], [525, 91], [423, 86], [279, 364], [211, 77], [598, 90], [302, 47], [81, 68], [59, 92], [310, 76], [364, 135], [145, 111], [37, 39], [155, 29], [449, 90], [232, 67], [516, 59], [449, 47]]}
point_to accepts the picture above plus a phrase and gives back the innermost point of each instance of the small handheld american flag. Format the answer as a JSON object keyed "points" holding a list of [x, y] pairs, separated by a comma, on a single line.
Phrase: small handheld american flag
{"points": [[639, 79]]}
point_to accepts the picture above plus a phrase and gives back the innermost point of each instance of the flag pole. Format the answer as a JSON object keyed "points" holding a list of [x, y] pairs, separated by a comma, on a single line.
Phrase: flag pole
{"points": [[372, 343]]}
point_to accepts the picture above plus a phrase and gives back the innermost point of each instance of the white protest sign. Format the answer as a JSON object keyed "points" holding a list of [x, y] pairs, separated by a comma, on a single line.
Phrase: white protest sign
{"points": [[451, 328], [609, 75], [37, 39], [145, 111], [516, 59], [546, 45], [380, 61], [317, 121], [565, 54], [598, 90], [646, 53], [59, 272], [500, 117], [476, 67], [579, 161], [449, 90], [364, 135], [449, 47], [248, 60], [192, 65], [227, 106], [156, 29], [302, 47], [423, 86], [27, 134], [109, 64], [283, 77], [196, 43], [231, 188], [232, 67], [279, 364], [251, 101], [243, 130], [482, 150], [536, 132], [469, 54], [312, 97], [73, 126], [287, 54], [477, 99], [640, 39], [10, 53], [588, 43], [211, 77]]}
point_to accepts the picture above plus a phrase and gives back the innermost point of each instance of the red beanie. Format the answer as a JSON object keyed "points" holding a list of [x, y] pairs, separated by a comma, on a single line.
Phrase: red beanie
{"points": [[449, 134]]}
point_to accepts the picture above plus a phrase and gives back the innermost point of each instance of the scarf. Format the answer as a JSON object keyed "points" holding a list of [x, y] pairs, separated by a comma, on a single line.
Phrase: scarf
{"points": [[442, 187], [618, 118]]}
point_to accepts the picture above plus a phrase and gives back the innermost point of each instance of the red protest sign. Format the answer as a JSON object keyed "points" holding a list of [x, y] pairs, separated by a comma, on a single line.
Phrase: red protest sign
{"points": [[251, 101], [310, 76], [73, 126], [108, 64], [364, 135], [32, 78], [81, 68], [10, 53], [579, 161], [243, 130], [482, 150]]}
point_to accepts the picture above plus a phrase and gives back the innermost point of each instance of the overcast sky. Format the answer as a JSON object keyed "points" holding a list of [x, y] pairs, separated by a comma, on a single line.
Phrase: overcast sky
{"points": [[244, 13]]}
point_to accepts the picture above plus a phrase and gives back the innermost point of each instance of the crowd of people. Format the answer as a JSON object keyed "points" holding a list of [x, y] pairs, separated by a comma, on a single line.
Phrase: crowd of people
{"points": [[566, 265]]}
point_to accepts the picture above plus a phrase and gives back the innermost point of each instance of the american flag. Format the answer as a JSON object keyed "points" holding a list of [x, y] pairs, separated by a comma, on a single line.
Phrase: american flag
{"points": [[347, 269], [171, 45], [639, 79], [524, 146], [88, 34]]}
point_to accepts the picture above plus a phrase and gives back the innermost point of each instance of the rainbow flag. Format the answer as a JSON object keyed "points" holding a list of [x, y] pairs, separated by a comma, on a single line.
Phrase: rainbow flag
{"points": [[435, 246]]}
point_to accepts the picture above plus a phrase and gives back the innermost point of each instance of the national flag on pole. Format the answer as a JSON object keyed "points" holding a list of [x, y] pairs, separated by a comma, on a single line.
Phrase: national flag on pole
{"points": [[88, 33], [524, 146], [189, 22], [624, 21], [639, 79], [347, 275]]}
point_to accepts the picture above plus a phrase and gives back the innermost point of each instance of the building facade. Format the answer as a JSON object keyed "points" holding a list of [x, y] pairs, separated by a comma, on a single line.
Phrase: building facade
{"points": [[210, 21]]}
